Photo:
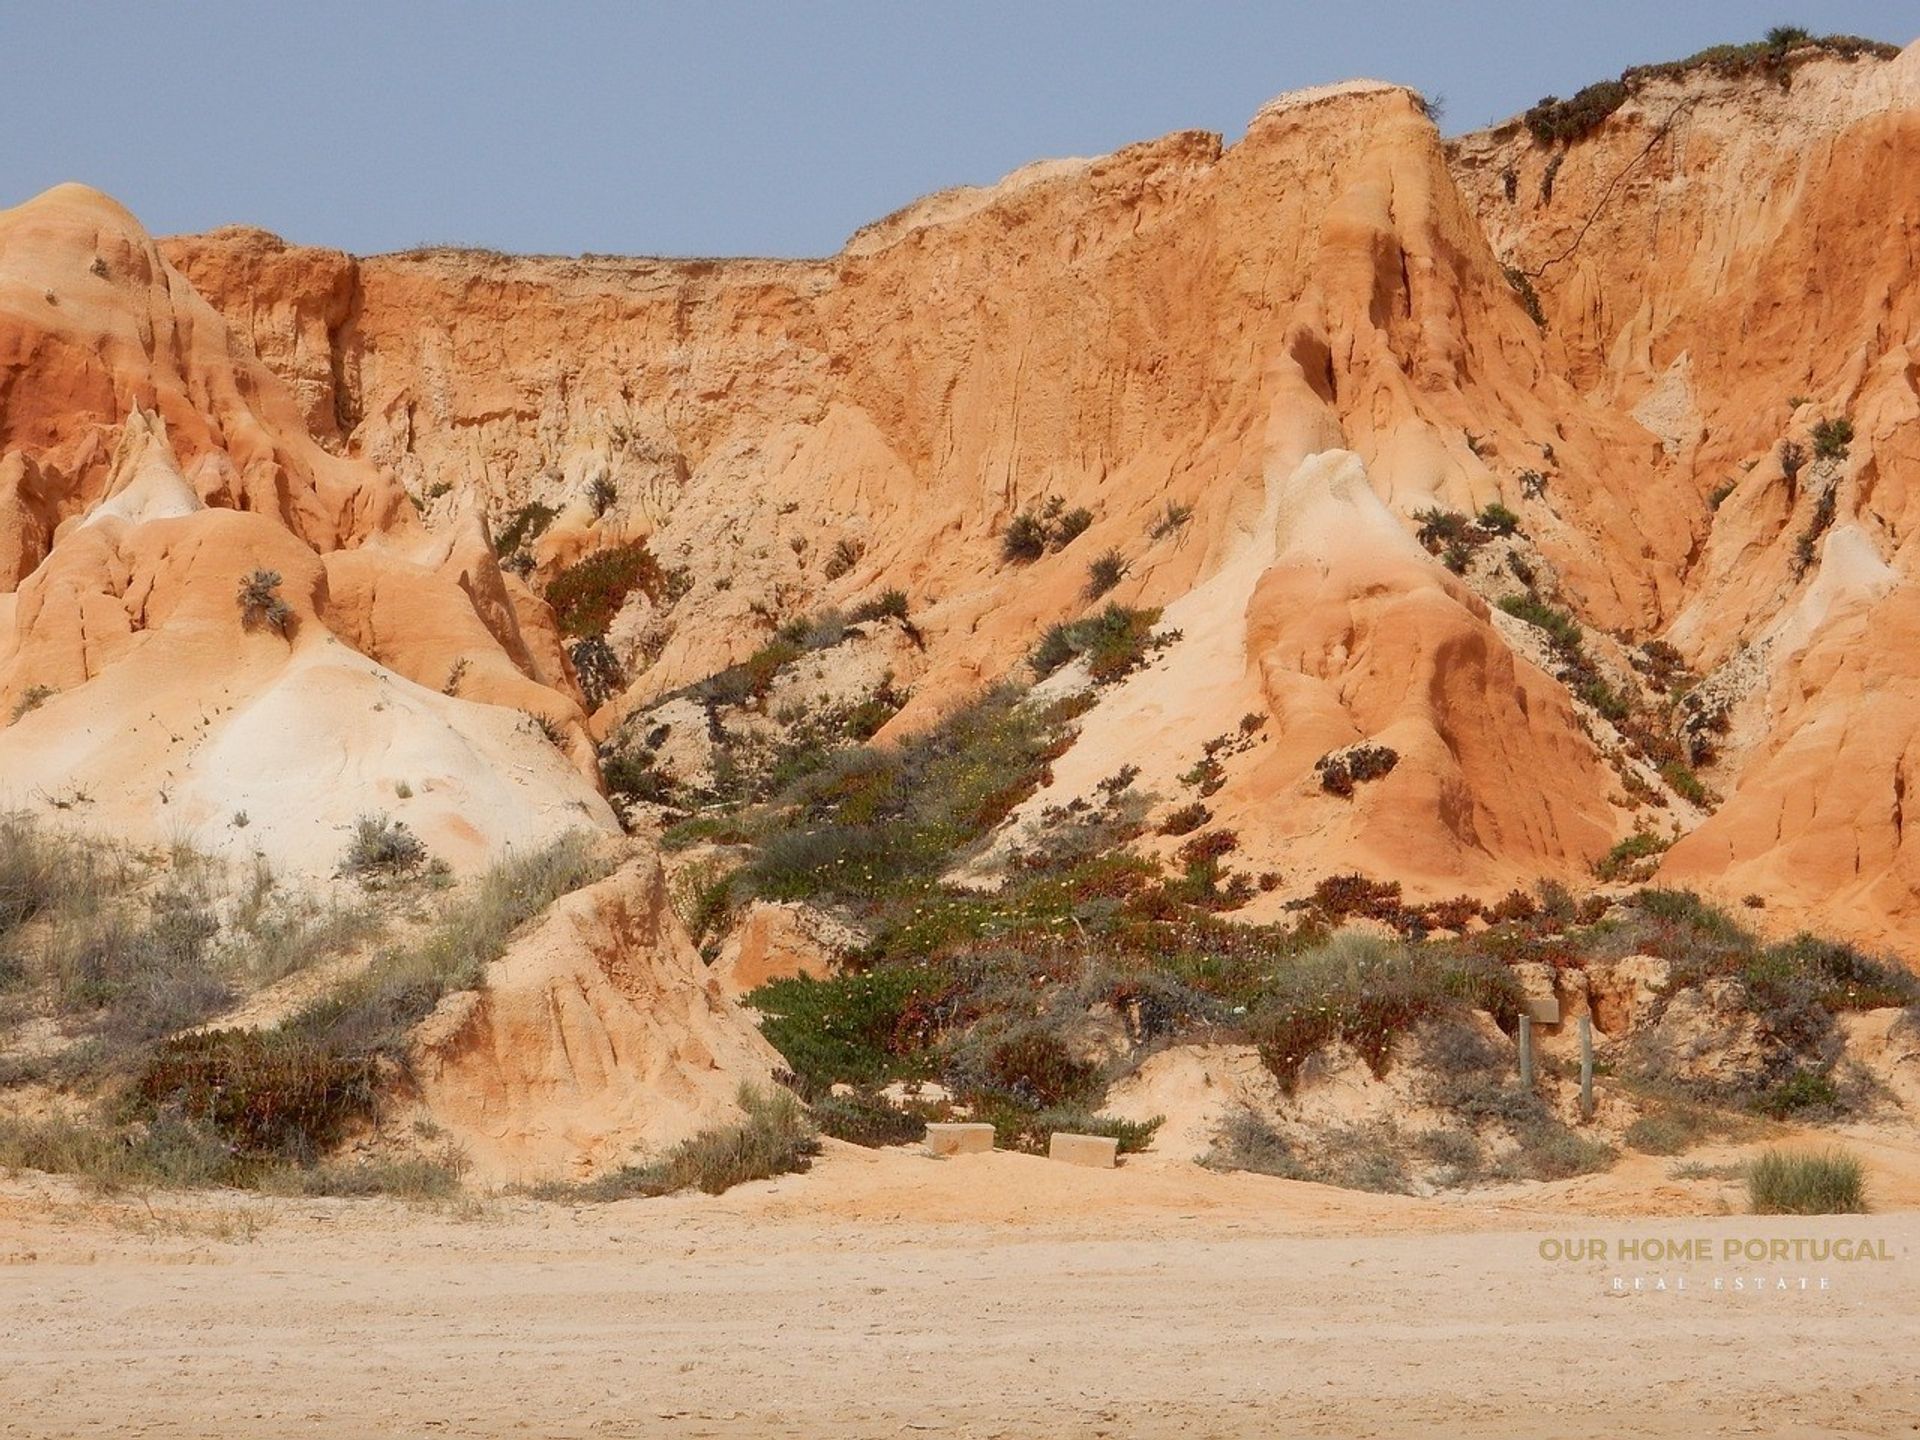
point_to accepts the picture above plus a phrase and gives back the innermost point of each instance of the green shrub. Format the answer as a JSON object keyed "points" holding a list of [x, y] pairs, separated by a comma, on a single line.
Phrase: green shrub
{"points": [[845, 555], [1554, 120], [889, 604], [1104, 573], [31, 699], [1115, 641], [1827, 973], [1801, 1091], [1368, 994], [170, 1151], [1551, 1151], [1818, 523], [1186, 819], [1522, 286], [1171, 519], [406, 1177], [588, 594], [1684, 783], [1028, 1132], [842, 1029], [598, 668], [1668, 1130], [1779, 1183], [864, 1118], [265, 1094], [1247, 1142], [1341, 770], [1034, 1066], [637, 775], [523, 527], [775, 1138], [1831, 437], [372, 1011], [1443, 527], [1071, 526], [1611, 704], [382, 847], [1563, 631], [1024, 540], [1497, 519], [1627, 854]]}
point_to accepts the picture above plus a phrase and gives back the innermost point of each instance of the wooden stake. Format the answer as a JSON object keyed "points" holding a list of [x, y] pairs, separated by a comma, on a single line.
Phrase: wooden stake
{"points": [[1526, 1052], [1586, 1067]]}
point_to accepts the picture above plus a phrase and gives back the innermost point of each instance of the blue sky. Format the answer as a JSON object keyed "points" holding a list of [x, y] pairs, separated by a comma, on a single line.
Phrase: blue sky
{"points": [[720, 127]]}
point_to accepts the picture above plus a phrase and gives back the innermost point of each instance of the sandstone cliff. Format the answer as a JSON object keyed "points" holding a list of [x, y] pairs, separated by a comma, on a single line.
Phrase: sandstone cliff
{"points": [[1264, 368]]}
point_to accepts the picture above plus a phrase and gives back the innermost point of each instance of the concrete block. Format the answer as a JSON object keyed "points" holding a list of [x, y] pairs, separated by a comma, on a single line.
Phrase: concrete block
{"points": [[959, 1139], [1100, 1151], [1545, 1010]]}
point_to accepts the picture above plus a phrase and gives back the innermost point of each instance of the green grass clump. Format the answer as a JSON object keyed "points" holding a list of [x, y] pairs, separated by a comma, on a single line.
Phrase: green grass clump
{"points": [[1680, 779], [169, 1152], [372, 1012], [1115, 641], [774, 1138], [1028, 1131], [1628, 853], [1783, 1183], [1563, 631], [1248, 1142]]}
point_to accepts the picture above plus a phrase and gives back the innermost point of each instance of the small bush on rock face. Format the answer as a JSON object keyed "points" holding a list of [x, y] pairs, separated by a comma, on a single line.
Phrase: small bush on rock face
{"points": [[1565, 121], [1172, 518], [523, 527], [1024, 540], [1831, 437], [598, 669], [586, 596], [1626, 856], [888, 605], [846, 554], [1497, 519], [1793, 459], [1341, 770], [1106, 572], [1186, 819], [260, 602], [381, 846], [1071, 526], [1115, 642]]}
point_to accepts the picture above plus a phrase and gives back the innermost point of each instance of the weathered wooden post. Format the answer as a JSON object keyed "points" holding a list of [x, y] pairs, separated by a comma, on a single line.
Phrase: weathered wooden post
{"points": [[1586, 1067], [1526, 1052]]}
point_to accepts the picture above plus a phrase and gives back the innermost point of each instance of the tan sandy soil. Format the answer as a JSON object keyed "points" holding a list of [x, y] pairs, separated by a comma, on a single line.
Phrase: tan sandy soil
{"points": [[991, 1295]]}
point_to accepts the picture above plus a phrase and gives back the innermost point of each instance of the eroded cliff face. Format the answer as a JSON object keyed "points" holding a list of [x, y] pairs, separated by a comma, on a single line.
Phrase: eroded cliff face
{"points": [[153, 469], [1731, 260], [1299, 345]]}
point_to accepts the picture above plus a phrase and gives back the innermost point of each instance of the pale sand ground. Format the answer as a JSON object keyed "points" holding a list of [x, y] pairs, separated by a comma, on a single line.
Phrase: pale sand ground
{"points": [[989, 1296]]}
